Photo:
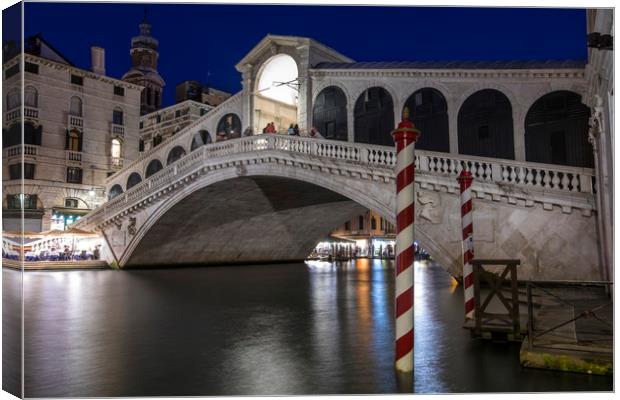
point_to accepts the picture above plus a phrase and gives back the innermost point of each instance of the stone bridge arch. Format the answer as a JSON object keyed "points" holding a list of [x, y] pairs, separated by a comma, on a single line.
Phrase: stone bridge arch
{"points": [[351, 197]]}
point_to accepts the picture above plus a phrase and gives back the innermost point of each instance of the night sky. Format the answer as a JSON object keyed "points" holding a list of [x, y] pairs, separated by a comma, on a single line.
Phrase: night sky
{"points": [[204, 42]]}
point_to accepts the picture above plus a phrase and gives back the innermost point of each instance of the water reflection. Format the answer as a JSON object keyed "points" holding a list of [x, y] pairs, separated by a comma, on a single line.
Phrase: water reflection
{"points": [[314, 328]]}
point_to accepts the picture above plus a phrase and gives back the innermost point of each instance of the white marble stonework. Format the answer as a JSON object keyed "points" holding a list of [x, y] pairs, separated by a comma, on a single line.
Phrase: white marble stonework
{"points": [[543, 214]]}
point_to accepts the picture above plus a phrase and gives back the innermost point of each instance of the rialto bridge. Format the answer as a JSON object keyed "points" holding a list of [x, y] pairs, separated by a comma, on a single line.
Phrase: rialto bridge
{"points": [[208, 196]]}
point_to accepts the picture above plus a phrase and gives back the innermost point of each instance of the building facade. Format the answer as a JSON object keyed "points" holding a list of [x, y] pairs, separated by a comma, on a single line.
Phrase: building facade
{"points": [[144, 56], [194, 90], [373, 235], [79, 127], [160, 125]]}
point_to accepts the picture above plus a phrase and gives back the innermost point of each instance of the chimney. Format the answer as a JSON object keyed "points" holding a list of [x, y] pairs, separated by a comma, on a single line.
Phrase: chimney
{"points": [[97, 56]]}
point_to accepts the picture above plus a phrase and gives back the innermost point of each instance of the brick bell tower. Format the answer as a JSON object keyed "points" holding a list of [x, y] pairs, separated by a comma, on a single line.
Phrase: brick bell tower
{"points": [[144, 54]]}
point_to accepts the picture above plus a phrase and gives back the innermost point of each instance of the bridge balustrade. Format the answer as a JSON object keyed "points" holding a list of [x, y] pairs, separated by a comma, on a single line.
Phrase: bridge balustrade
{"points": [[541, 177]]}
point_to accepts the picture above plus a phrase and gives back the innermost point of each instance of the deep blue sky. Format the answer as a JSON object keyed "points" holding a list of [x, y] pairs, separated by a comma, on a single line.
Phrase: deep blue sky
{"points": [[198, 38]]}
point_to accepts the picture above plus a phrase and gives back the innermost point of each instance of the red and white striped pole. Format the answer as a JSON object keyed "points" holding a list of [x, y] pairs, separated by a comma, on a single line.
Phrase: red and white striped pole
{"points": [[404, 136], [465, 179]]}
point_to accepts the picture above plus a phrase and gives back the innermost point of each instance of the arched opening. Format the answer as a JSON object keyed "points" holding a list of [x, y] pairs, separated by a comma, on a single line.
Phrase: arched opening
{"points": [[31, 97], [115, 190], [276, 94], [485, 126], [374, 117], [133, 180], [75, 106], [153, 167], [74, 140], [428, 111], [175, 154], [200, 139], [13, 99], [116, 148], [556, 131], [157, 139], [117, 116], [329, 113], [229, 127]]}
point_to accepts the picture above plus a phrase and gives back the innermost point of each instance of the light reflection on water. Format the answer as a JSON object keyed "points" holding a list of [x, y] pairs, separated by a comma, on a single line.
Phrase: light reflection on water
{"points": [[314, 328]]}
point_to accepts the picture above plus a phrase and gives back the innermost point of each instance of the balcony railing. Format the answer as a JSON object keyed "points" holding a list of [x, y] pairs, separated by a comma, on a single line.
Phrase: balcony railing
{"points": [[75, 121], [74, 156], [29, 150], [12, 115], [117, 163], [118, 130], [31, 112]]}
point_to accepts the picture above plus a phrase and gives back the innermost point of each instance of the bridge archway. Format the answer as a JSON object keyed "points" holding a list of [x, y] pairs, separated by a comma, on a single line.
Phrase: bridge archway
{"points": [[485, 125], [374, 117], [175, 154], [200, 139], [115, 190], [556, 131], [153, 167], [429, 113], [295, 205], [276, 93], [228, 127], [133, 180], [329, 114]]}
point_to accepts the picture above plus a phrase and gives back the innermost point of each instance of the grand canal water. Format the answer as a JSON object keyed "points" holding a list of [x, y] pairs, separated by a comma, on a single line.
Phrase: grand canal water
{"points": [[313, 328]]}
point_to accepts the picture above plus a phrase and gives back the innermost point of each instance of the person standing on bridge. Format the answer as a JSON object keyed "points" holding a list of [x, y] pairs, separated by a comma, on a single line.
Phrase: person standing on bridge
{"points": [[296, 130], [291, 130]]}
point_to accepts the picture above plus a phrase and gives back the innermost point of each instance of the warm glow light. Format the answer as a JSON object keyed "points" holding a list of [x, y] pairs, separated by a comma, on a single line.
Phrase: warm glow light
{"points": [[281, 68]]}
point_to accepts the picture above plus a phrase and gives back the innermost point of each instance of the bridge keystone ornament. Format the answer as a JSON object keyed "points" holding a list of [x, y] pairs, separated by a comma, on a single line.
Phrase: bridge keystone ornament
{"points": [[465, 179], [405, 137]]}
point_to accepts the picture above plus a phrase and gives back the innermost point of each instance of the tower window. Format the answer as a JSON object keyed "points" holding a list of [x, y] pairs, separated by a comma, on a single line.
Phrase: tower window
{"points": [[11, 71], [119, 90], [360, 223], [77, 80]]}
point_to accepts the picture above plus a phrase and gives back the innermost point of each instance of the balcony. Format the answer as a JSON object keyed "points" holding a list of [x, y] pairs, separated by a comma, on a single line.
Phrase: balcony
{"points": [[31, 112], [117, 163], [74, 121], [29, 150], [12, 115], [74, 156], [118, 130]]}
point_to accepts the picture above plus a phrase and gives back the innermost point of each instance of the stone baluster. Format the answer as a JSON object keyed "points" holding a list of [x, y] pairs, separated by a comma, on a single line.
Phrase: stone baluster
{"points": [[565, 181], [574, 183], [555, 181], [529, 177], [505, 173]]}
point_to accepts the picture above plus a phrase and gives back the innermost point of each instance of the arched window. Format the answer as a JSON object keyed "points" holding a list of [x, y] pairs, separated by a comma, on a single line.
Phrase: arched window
{"points": [[133, 180], [329, 114], [373, 223], [485, 125], [374, 117], [117, 148], [74, 140], [201, 138], [115, 190], [428, 111], [229, 126], [556, 131], [360, 222], [117, 116], [157, 139], [13, 99], [154, 166], [75, 108], [31, 97], [176, 153]]}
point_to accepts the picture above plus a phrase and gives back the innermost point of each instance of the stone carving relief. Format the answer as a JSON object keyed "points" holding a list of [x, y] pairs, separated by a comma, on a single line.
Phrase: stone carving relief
{"points": [[131, 228], [431, 209]]}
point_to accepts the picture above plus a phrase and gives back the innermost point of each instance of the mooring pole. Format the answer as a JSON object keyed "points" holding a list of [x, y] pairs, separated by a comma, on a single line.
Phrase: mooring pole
{"points": [[465, 179], [404, 137]]}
